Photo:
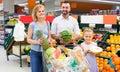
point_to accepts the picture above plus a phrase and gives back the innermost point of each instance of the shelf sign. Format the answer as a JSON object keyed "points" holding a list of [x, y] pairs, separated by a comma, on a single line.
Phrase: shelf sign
{"points": [[93, 19], [110, 19]]}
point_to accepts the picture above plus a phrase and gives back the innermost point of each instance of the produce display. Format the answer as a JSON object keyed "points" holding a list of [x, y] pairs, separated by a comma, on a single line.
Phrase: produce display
{"points": [[113, 38], [12, 21], [45, 43], [109, 59]]}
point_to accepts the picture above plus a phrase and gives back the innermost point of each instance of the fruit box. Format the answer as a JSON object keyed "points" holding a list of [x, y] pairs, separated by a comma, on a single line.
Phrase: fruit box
{"points": [[28, 58], [104, 33]]}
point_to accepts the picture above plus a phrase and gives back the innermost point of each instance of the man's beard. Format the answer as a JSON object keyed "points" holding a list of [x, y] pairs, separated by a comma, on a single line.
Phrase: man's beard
{"points": [[65, 12]]}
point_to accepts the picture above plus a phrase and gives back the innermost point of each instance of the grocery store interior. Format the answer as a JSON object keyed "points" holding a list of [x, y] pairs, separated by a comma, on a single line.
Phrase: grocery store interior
{"points": [[103, 16]]}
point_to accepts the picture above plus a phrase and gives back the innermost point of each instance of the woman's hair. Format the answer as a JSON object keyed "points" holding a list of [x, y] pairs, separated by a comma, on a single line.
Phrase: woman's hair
{"points": [[87, 29], [35, 9]]}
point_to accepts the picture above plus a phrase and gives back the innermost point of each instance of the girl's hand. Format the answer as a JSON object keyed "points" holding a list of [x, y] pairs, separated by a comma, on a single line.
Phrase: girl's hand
{"points": [[88, 51]]}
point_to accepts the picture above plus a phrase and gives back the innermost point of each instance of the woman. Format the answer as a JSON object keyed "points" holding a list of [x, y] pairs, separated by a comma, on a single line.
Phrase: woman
{"points": [[39, 23]]}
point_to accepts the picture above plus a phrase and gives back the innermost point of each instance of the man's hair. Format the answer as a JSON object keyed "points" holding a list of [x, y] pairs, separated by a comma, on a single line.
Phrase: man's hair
{"points": [[65, 2]]}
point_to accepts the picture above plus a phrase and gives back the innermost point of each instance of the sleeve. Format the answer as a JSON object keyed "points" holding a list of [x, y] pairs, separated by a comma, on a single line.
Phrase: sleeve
{"points": [[76, 28], [32, 25], [54, 27], [48, 25]]}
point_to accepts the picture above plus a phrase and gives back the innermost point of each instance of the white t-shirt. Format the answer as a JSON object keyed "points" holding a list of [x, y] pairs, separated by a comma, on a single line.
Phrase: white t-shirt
{"points": [[59, 24]]}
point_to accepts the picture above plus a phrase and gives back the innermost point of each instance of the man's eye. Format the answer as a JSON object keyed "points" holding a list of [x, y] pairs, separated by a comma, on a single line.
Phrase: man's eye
{"points": [[63, 7]]}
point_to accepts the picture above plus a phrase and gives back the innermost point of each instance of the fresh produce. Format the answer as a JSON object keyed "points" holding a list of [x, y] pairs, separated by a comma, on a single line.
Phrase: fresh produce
{"points": [[27, 50], [12, 21], [50, 51], [45, 43], [66, 35]]}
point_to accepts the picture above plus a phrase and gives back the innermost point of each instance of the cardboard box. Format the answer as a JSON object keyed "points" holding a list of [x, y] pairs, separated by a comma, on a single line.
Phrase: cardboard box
{"points": [[28, 58], [16, 49]]}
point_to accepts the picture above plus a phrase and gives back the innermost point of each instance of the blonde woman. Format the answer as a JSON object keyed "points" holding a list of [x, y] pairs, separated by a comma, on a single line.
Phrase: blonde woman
{"points": [[39, 23]]}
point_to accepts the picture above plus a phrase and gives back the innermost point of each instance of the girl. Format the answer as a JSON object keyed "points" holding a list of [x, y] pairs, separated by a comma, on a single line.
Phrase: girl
{"points": [[86, 45]]}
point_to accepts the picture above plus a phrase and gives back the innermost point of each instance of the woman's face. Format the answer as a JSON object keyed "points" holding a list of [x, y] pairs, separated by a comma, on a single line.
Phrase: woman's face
{"points": [[40, 13], [88, 36]]}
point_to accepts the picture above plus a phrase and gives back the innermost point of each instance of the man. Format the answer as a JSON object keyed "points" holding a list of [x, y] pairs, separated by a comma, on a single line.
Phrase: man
{"points": [[65, 22]]}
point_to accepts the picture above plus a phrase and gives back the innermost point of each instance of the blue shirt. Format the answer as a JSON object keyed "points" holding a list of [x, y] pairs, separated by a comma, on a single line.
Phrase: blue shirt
{"points": [[35, 26]]}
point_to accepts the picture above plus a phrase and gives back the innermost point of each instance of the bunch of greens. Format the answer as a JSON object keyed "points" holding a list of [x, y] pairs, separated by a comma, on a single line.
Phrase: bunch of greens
{"points": [[45, 43]]}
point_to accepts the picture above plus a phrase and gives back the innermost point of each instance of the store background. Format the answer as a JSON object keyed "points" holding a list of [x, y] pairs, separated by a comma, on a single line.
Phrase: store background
{"points": [[16, 8]]}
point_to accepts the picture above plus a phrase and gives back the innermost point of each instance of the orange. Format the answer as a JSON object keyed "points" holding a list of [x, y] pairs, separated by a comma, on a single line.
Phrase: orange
{"points": [[116, 62], [101, 59], [105, 60], [103, 70], [108, 40], [111, 70], [118, 67], [117, 46], [112, 45], [107, 67], [108, 48], [101, 62]]}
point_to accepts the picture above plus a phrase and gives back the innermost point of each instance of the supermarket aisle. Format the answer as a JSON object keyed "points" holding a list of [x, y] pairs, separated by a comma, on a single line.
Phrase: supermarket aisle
{"points": [[13, 64]]}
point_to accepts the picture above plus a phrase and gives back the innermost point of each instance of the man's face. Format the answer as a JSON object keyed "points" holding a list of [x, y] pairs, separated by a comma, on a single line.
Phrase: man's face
{"points": [[65, 8]]}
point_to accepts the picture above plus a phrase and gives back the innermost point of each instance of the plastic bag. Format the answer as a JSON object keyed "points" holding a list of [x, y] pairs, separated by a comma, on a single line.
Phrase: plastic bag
{"points": [[19, 33], [78, 54]]}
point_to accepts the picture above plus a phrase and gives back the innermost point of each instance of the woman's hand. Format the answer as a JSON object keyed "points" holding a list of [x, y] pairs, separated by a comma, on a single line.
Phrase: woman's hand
{"points": [[40, 41]]}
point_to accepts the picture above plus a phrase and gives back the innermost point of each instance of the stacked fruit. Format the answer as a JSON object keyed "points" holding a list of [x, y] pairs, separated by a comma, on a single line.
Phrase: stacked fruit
{"points": [[110, 50], [113, 38], [101, 62]]}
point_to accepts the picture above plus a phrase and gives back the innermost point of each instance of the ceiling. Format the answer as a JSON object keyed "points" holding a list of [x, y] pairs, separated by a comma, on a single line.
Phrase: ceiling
{"points": [[96, 1], [100, 1]]}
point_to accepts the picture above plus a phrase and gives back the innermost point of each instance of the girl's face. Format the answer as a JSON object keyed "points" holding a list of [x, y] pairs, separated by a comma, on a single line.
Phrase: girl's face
{"points": [[88, 36], [40, 13]]}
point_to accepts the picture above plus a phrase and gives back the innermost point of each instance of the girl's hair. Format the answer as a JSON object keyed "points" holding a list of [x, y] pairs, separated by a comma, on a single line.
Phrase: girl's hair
{"points": [[35, 9], [87, 29]]}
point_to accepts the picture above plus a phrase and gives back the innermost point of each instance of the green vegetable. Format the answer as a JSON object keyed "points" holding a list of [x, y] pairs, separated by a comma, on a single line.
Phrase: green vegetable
{"points": [[39, 33], [49, 51], [66, 35], [45, 43]]}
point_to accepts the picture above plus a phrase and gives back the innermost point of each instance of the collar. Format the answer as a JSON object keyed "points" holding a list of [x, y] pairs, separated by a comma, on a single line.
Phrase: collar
{"points": [[63, 17]]}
